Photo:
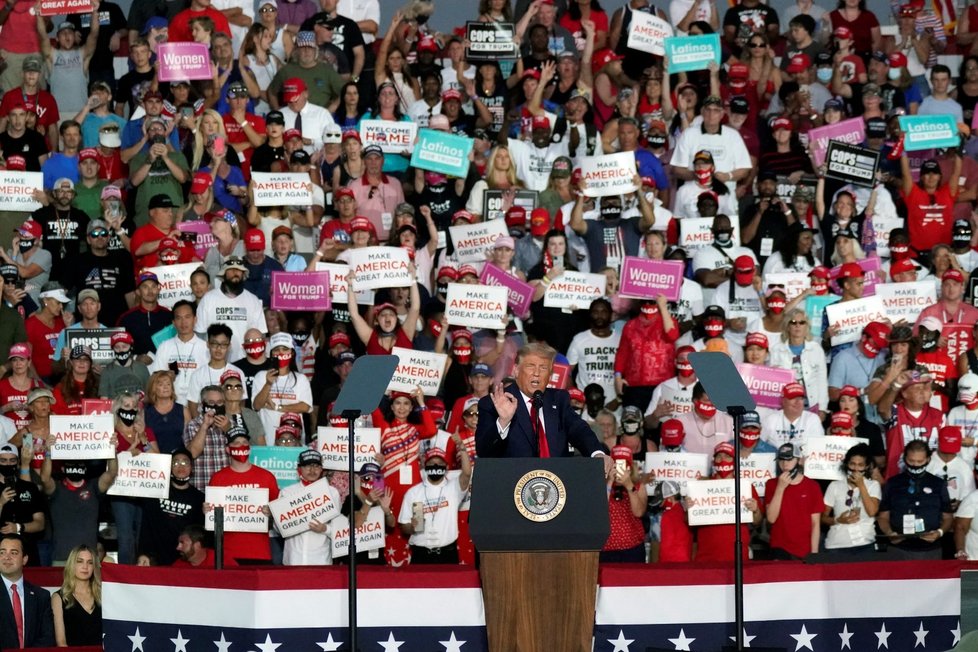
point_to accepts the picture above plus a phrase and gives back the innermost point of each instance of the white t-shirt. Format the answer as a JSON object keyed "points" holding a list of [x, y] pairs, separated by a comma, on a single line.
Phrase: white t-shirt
{"points": [[311, 548], [315, 119], [850, 535], [441, 504], [533, 163], [8, 428], [238, 32], [358, 10], [688, 194], [286, 390], [206, 375], [421, 113], [679, 8], [670, 391], [188, 356], [777, 430], [968, 509], [239, 313], [958, 474], [710, 259], [595, 359], [967, 420], [727, 147]]}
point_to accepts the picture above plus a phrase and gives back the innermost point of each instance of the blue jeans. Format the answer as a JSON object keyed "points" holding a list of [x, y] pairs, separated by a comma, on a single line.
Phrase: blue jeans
{"points": [[128, 515]]}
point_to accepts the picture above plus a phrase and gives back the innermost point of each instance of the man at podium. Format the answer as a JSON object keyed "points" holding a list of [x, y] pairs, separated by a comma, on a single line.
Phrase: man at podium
{"points": [[528, 419]]}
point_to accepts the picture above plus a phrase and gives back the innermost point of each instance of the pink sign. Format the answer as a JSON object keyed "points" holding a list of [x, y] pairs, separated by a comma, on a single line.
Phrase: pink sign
{"points": [[300, 291], [647, 279], [205, 240], [765, 383], [64, 7], [852, 131], [871, 268], [519, 295], [959, 339], [183, 61]]}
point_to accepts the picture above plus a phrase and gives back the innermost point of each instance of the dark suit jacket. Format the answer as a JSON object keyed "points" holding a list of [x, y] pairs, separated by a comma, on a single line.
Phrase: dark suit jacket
{"points": [[563, 427], [38, 620]]}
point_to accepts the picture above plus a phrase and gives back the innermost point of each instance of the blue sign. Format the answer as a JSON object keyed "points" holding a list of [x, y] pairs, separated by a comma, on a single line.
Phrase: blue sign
{"points": [[437, 151], [815, 306], [692, 52], [280, 461], [929, 131]]}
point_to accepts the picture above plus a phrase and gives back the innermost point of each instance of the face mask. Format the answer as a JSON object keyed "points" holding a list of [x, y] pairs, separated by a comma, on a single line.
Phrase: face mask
{"points": [[25, 246], [824, 75], [180, 482], [421, 20], [723, 238], [435, 325], [610, 212], [868, 347], [630, 427], [916, 470], [893, 74], [128, 417], [434, 179], [462, 353], [928, 341], [748, 439], [122, 357], [820, 287], [284, 358], [649, 309], [684, 369], [713, 328], [255, 349], [705, 410], [169, 258], [74, 473], [9, 470], [300, 337], [656, 142], [240, 453], [234, 287], [435, 473], [704, 177], [723, 469], [776, 306]]}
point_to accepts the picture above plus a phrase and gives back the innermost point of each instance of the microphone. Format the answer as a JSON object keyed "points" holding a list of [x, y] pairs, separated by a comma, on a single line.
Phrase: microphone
{"points": [[537, 398]]}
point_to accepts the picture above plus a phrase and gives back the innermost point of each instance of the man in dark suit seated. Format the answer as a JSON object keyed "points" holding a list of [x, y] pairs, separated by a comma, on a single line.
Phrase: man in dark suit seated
{"points": [[33, 626], [506, 425]]}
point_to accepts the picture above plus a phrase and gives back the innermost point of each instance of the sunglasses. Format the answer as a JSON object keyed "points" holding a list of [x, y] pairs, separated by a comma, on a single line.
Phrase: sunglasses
{"points": [[757, 45], [267, 10], [795, 322], [470, 413], [849, 497], [233, 386], [99, 233]]}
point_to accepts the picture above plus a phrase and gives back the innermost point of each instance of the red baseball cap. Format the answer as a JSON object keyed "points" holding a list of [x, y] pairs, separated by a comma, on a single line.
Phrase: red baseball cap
{"points": [[757, 339], [516, 216], [840, 420], [952, 275], [621, 453], [293, 88], [201, 182], [254, 240], [30, 230], [672, 433], [16, 162], [168, 243], [343, 191], [447, 272], [724, 448], [540, 122], [120, 337], [339, 338], [949, 439], [576, 394], [799, 63], [539, 222], [793, 390], [902, 266], [781, 123], [467, 270], [360, 223], [850, 270], [822, 272], [842, 32], [849, 390], [878, 332], [744, 270], [897, 60]]}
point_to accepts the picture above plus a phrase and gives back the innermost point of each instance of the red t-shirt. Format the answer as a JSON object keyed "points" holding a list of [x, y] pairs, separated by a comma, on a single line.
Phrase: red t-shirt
{"points": [[180, 24], [792, 532], [246, 545], [10, 394], [62, 406], [42, 103], [675, 538], [400, 339], [122, 444], [150, 233], [236, 135], [862, 38], [111, 168], [626, 528], [942, 368], [42, 341], [929, 221]]}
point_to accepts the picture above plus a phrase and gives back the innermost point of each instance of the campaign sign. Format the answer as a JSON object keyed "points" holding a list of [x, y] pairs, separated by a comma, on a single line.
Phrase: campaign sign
{"points": [[203, 241], [559, 375], [611, 174], [280, 461], [243, 508], [695, 233], [380, 267], [392, 136], [333, 445], [929, 132], [647, 279], [300, 291], [647, 33], [17, 190], [574, 290], [815, 308], [852, 131], [692, 52], [96, 339], [146, 475], [678, 467], [793, 283], [96, 406], [417, 369], [296, 506], [473, 241], [758, 468], [823, 456], [495, 203], [490, 41], [175, 282], [281, 189], [882, 225], [370, 534], [519, 295], [85, 437], [765, 383], [476, 306], [65, 7], [904, 301], [851, 163], [959, 339], [851, 317], [711, 502], [337, 284], [444, 153], [872, 270], [184, 60]]}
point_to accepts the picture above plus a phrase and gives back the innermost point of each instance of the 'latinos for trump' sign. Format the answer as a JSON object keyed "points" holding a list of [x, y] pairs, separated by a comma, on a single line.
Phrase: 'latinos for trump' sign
{"points": [[180, 61], [443, 153], [687, 53], [929, 132]]}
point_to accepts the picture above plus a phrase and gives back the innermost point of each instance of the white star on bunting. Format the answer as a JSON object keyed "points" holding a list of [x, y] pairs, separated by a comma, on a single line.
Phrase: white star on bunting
{"points": [[803, 639]]}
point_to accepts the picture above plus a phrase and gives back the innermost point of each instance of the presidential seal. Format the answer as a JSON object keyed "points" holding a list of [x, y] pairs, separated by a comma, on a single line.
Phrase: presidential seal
{"points": [[540, 496]]}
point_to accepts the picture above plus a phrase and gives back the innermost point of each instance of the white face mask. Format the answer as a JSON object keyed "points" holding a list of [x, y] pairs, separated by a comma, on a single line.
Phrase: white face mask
{"points": [[824, 75], [893, 73]]}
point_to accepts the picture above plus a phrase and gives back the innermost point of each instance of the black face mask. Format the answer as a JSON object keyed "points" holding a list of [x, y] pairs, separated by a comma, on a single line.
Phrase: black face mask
{"points": [[421, 20], [74, 473], [655, 142], [8, 470], [25, 246], [127, 417], [122, 357], [180, 482], [300, 337], [435, 473], [929, 341], [610, 212], [916, 470]]}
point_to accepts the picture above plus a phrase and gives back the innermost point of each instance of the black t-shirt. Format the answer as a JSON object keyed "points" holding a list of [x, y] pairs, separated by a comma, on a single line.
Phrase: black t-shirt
{"points": [[110, 20], [27, 502], [110, 275], [64, 233], [346, 34], [143, 10], [31, 146], [131, 86], [163, 520], [265, 155], [443, 203], [750, 20]]}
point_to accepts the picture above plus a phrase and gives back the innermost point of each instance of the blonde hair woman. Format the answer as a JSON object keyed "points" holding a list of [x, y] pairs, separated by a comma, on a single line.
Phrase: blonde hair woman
{"points": [[77, 605], [500, 175]]}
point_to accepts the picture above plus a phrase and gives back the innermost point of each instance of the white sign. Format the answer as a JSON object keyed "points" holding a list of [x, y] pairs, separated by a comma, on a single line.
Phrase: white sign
{"points": [[87, 437], [711, 502], [695, 233], [611, 174], [646, 33], [574, 290], [473, 241], [392, 137], [146, 475], [174, 282], [678, 467], [794, 282], [758, 468], [297, 505], [17, 190], [243, 508], [476, 306], [282, 189], [337, 284], [882, 225], [417, 369], [370, 534], [380, 267], [851, 317], [333, 446], [824, 455], [904, 301]]}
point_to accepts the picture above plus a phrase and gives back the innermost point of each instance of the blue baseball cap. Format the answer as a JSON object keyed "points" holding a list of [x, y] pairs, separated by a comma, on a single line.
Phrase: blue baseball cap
{"points": [[156, 22], [480, 369]]}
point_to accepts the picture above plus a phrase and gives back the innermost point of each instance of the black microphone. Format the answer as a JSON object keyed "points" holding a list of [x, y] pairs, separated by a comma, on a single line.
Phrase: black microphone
{"points": [[537, 398]]}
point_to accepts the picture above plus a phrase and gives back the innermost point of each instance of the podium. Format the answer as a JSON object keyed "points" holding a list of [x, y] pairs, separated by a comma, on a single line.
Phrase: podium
{"points": [[539, 525]]}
